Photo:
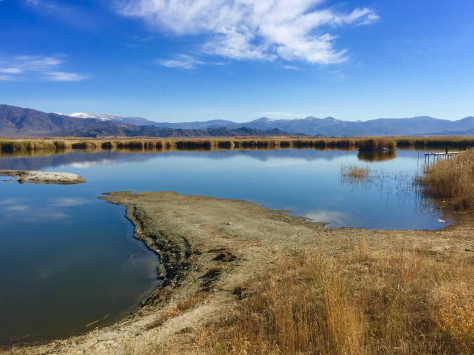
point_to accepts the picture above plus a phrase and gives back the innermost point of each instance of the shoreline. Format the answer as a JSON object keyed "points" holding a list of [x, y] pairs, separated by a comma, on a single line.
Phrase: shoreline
{"points": [[210, 249], [43, 177]]}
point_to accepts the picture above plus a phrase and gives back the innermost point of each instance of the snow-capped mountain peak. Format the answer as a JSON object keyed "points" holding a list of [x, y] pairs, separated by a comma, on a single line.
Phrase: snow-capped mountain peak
{"points": [[139, 121], [101, 116]]}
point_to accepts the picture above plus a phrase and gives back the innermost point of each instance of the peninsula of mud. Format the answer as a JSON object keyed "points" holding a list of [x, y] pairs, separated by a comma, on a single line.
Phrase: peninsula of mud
{"points": [[217, 255]]}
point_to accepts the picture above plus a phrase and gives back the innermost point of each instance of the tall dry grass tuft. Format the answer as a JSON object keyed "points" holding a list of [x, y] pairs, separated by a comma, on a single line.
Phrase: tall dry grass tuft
{"points": [[354, 172], [303, 307], [452, 178], [405, 302]]}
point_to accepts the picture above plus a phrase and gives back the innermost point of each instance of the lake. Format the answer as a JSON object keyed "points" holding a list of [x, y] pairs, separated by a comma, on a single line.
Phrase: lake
{"points": [[69, 262]]}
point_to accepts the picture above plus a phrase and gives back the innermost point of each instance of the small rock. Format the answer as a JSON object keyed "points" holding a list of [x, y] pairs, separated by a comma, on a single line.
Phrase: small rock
{"points": [[229, 224]]}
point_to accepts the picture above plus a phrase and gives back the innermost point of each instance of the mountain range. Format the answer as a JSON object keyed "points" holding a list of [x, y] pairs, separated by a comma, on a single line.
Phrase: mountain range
{"points": [[329, 126], [22, 122]]}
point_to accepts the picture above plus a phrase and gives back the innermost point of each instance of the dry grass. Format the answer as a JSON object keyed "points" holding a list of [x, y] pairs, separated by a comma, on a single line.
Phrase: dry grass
{"points": [[452, 179], [435, 142], [355, 303], [160, 144], [354, 172], [377, 143], [182, 306]]}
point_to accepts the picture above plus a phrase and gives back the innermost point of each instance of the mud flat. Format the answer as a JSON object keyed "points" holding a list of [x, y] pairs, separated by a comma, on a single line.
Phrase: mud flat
{"points": [[212, 252], [43, 177]]}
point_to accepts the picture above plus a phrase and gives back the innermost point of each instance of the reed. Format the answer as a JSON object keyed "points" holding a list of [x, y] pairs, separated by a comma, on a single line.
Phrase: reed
{"points": [[225, 144], [150, 144], [358, 302], [205, 144], [10, 146], [452, 179], [370, 144], [87, 145], [355, 172], [435, 142], [341, 143]]}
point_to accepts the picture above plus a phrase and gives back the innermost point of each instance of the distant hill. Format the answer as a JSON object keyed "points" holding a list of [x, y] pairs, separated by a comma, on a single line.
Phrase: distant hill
{"points": [[23, 122], [330, 126]]}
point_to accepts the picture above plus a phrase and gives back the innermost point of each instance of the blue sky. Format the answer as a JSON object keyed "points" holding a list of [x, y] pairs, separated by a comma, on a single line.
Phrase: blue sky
{"points": [[197, 60]]}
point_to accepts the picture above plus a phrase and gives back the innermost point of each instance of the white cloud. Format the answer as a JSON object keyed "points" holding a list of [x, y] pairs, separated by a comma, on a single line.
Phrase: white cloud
{"points": [[253, 29], [181, 61], [6, 78], [11, 70], [64, 76], [35, 67]]}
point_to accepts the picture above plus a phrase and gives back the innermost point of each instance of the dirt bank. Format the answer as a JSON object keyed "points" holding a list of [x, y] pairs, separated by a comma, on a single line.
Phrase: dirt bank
{"points": [[212, 251], [43, 177]]}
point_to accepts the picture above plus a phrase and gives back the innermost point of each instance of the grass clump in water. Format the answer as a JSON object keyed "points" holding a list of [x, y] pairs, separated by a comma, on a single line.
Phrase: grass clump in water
{"points": [[453, 179], [354, 172]]}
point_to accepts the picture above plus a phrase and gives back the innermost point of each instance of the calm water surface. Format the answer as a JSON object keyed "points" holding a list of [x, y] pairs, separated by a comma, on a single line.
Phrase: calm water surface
{"points": [[68, 259]]}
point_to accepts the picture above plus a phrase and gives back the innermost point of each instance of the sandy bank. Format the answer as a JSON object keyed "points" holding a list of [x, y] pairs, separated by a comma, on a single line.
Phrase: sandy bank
{"points": [[43, 177], [212, 250]]}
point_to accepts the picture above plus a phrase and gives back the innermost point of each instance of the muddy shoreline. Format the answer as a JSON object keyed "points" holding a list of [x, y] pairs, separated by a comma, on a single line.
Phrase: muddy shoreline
{"points": [[211, 249], [43, 177]]}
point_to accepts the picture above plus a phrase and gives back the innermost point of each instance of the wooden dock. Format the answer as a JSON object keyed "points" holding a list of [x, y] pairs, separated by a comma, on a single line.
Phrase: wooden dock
{"points": [[431, 158]]}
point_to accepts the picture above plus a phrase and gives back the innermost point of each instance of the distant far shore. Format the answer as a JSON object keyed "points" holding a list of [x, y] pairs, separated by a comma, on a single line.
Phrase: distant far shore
{"points": [[12, 145]]}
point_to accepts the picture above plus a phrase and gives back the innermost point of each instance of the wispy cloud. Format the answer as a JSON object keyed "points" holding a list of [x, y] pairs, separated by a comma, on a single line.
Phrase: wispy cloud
{"points": [[181, 61], [252, 29], [63, 76], [36, 67], [67, 12]]}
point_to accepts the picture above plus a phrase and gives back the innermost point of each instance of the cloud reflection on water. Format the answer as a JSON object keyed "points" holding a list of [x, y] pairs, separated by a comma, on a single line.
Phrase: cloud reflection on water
{"points": [[334, 218]]}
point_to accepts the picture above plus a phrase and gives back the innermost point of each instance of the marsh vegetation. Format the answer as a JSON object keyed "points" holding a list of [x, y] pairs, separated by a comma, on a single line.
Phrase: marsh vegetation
{"points": [[363, 144], [451, 179], [355, 172], [362, 301]]}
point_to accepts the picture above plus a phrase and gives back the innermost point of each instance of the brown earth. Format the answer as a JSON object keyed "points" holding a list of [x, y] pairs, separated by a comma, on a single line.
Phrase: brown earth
{"points": [[212, 250]]}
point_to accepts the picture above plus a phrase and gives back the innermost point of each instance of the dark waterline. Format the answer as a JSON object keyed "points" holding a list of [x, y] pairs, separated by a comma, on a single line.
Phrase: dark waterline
{"points": [[68, 259]]}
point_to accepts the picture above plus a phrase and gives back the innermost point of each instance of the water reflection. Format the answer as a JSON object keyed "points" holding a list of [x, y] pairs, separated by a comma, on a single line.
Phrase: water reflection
{"points": [[81, 159], [76, 251], [333, 218], [371, 156]]}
